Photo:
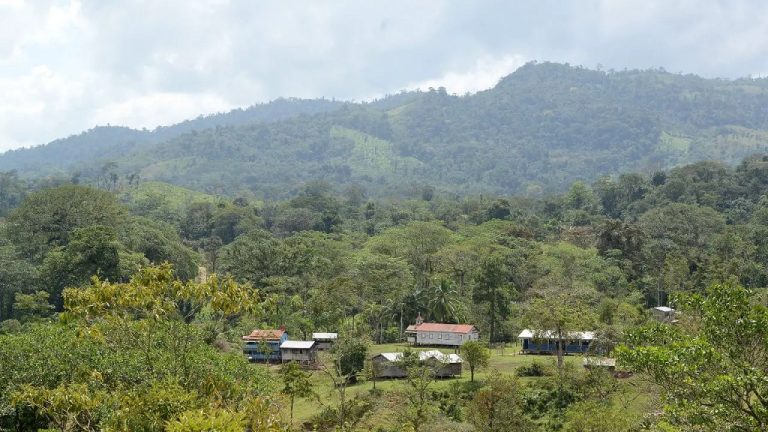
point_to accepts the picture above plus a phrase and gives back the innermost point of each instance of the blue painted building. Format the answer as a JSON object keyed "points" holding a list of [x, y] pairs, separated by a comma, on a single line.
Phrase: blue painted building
{"points": [[546, 342], [254, 342]]}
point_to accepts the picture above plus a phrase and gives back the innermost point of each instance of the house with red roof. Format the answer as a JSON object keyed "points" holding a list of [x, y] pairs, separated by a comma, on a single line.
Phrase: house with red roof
{"points": [[454, 335], [264, 344]]}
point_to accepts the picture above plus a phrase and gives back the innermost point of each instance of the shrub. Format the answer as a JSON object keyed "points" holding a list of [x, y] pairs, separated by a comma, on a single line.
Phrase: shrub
{"points": [[535, 369]]}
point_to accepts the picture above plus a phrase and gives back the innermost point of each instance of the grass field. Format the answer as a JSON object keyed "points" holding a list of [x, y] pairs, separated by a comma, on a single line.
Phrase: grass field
{"points": [[634, 397]]}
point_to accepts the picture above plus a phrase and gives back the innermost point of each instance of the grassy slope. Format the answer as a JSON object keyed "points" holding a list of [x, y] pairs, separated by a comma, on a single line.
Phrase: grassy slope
{"points": [[373, 156], [175, 196]]}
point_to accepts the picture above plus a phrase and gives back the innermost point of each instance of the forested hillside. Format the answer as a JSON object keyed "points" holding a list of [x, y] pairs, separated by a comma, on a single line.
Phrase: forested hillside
{"points": [[541, 128], [106, 143], [146, 347]]}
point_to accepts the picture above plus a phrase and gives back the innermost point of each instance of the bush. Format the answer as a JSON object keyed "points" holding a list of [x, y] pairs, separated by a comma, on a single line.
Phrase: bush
{"points": [[535, 369], [10, 326]]}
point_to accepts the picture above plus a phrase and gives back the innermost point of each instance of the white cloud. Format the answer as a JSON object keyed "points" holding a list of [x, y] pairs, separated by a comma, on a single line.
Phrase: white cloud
{"points": [[482, 75], [159, 109], [67, 65], [40, 103]]}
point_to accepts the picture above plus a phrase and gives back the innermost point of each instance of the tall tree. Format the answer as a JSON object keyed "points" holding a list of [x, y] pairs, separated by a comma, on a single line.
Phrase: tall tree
{"points": [[713, 372], [476, 356], [559, 315], [47, 219], [493, 287], [498, 407], [297, 383]]}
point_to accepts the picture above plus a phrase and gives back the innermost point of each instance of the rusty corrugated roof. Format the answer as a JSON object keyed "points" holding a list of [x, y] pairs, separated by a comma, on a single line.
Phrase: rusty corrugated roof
{"points": [[268, 334], [447, 328]]}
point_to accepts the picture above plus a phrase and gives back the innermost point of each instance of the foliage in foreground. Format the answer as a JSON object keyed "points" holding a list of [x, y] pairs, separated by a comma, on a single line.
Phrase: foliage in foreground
{"points": [[714, 369], [130, 357]]}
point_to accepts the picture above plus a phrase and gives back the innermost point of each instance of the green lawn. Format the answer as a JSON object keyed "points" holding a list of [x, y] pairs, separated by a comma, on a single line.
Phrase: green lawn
{"points": [[632, 399]]}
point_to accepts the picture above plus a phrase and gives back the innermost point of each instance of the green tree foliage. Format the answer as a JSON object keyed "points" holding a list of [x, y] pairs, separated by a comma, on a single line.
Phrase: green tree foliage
{"points": [[127, 356], [538, 130], [16, 276], [297, 383], [420, 378], [476, 356], [93, 250], [47, 219], [30, 306], [714, 372], [499, 406], [493, 288], [12, 191], [562, 314]]}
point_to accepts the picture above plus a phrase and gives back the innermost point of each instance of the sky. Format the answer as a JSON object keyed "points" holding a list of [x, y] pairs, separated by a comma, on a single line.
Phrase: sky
{"points": [[67, 65]]}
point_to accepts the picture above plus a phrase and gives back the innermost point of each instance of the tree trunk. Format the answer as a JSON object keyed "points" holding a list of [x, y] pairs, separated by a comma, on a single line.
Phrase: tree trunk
{"points": [[492, 336], [292, 400]]}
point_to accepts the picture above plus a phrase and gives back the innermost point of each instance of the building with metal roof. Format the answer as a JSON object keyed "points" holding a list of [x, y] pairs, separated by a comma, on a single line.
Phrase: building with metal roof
{"points": [[431, 334], [304, 352], [325, 341], [548, 342], [664, 314], [264, 344], [388, 365]]}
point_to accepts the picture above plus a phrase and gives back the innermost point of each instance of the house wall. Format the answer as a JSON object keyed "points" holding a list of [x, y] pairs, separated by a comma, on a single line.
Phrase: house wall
{"points": [[550, 346], [387, 369], [251, 349], [450, 370], [444, 338], [299, 355], [323, 345]]}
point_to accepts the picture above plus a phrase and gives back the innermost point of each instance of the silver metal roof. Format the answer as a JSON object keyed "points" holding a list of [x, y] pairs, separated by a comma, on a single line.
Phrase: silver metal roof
{"points": [[549, 334], [325, 336], [289, 344], [425, 355]]}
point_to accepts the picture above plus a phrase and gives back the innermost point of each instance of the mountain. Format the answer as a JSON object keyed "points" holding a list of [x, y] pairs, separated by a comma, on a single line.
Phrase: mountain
{"points": [[538, 130], [104, 143]]}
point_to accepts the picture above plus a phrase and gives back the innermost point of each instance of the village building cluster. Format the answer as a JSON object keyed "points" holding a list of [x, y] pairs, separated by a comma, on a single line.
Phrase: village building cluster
{"points": [[269, 345], [274, 345]]}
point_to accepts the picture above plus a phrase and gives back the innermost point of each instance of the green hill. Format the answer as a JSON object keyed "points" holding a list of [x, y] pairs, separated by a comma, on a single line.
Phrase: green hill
{"points": [[538, 130]]}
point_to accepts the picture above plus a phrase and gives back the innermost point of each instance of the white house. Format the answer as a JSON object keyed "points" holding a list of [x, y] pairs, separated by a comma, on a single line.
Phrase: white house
{"points": [[453, 335]]}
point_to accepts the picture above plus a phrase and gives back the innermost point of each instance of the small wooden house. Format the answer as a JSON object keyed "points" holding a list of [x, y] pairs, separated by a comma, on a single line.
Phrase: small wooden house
{"points": [[264, 344], [388, 365], [431, 334], [304, 352], [664, 314], [547, 342], [325, 341]]}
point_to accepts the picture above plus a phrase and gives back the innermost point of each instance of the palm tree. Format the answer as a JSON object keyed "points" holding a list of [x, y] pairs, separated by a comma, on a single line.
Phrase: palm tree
{"points": [[443, 304]]}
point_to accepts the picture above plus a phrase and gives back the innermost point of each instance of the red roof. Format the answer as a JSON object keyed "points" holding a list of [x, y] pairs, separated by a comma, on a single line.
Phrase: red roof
{"points": [[258, 335], [445, 328]]}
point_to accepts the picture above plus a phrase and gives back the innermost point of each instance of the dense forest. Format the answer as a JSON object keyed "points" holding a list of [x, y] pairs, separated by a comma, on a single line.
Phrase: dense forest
{"points": [[122, 302], [537, 131]]}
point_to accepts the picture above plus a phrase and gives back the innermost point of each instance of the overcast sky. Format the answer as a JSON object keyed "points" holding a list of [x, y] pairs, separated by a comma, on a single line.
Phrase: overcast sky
{"points": [[66, 66]]}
